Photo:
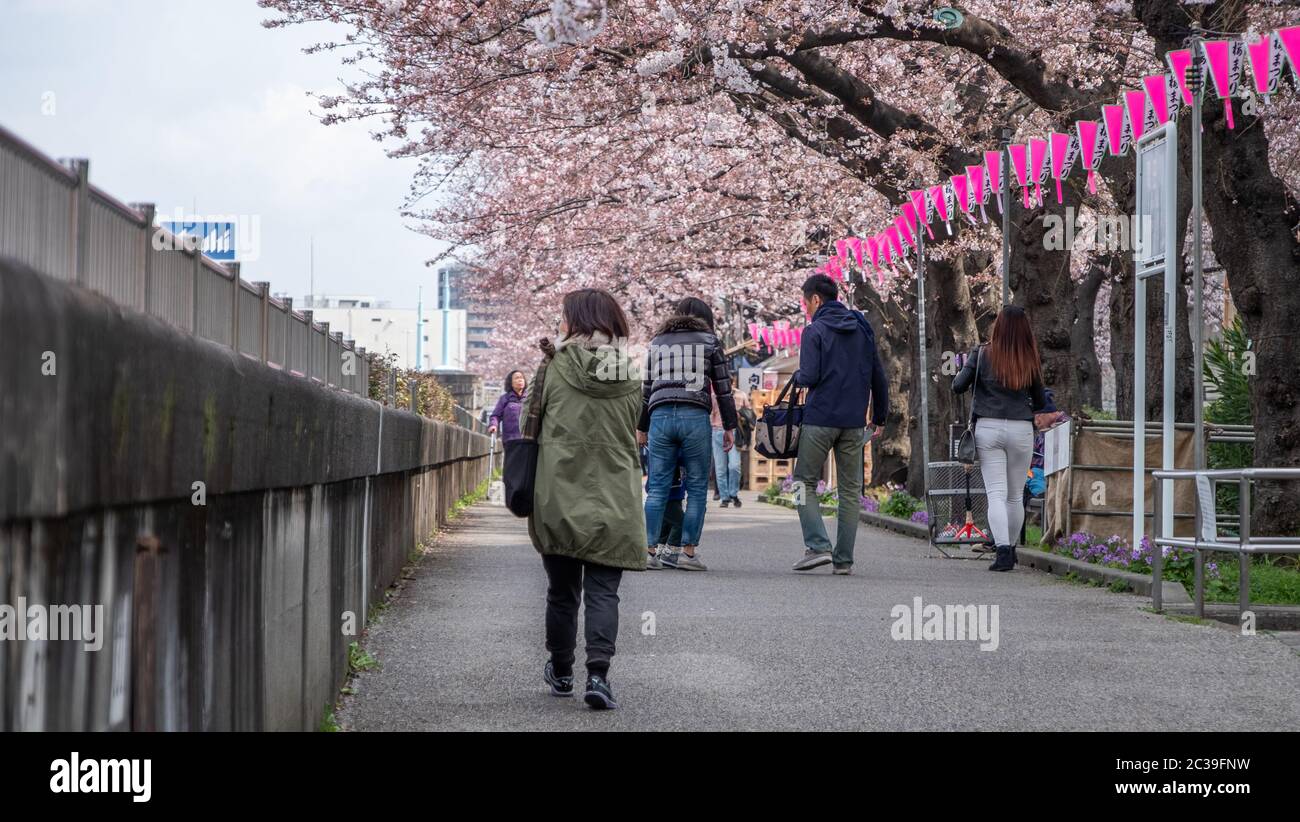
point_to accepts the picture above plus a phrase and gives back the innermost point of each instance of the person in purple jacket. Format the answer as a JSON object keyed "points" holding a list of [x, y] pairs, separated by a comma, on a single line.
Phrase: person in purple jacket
{"points": [[506, 414]]}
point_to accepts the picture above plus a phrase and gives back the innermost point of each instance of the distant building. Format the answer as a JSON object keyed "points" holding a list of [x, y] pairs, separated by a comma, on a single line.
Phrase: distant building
{"points": [[455, 286], [381, 329]]}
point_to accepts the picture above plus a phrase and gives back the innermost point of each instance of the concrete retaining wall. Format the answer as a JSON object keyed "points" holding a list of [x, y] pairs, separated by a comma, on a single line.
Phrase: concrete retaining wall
{"points": [[222, 616]]}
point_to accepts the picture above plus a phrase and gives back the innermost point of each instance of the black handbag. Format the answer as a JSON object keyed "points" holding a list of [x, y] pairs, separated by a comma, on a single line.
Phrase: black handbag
{"points": [[519, 466], [967, 454], [776, 434]]}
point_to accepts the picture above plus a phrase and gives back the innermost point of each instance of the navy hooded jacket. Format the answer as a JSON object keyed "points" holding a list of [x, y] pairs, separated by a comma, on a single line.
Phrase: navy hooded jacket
{"points": [[838, 361]]}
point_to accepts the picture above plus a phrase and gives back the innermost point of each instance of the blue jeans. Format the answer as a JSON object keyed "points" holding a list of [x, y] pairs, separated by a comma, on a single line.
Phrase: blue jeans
{"points": [[726, 468], [678, 431]]}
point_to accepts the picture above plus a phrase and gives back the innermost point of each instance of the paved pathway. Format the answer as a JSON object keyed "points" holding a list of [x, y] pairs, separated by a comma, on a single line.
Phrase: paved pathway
{"points": [[752, 645]]}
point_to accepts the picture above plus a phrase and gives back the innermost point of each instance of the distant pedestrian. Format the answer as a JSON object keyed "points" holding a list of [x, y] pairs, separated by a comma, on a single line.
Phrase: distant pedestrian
{"points": [[1007, 377], [686, 372], [839, 364], [726, 461], [586, 519], [505, 417]]}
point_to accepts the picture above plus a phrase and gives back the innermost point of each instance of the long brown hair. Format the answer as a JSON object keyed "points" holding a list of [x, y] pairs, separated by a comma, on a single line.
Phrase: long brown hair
{"points": [[589, 310], [1012, 350]]}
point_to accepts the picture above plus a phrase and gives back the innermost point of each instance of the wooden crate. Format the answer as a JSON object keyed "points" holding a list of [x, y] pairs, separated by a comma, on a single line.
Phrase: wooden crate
{"points": [[763, 471]]}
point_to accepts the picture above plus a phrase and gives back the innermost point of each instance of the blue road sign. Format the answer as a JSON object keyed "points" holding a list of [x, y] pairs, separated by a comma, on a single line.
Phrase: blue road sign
{"points": [[218, 239]]}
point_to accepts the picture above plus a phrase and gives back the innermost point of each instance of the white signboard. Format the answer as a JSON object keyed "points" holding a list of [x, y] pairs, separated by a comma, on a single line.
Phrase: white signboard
{"points": [[1056, 449], [751, 379]]}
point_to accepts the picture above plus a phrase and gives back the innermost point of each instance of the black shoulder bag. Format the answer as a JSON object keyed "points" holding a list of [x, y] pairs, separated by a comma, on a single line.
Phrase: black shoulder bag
{"points": [[966, 451], [519, 467]]}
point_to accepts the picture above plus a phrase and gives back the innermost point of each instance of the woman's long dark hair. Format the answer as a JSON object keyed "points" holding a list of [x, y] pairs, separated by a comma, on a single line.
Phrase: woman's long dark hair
{"points": [[589, 310], [694, 307], [1013, 353]]}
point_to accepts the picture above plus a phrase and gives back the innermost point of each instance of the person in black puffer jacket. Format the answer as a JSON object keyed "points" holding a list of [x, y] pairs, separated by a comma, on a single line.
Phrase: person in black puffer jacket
{"points": [[685, 371]]}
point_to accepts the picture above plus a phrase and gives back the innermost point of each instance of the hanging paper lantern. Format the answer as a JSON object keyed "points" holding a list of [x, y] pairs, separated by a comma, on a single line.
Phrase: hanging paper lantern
{"points": [[1265, 57], [855, 243], [842, 249], [1020, 166], [993, 170], [909, 215], [979, 191], [935, 201], [1135, 104], [798, 335], [873, 248], [1065, 149], [1038, 168], [896, 246], [1118, 135], [769, 337], [833, 268], [753, 331], [961, 189], [1162, 98], [1180, 60], [1224, 58], [1092, 148], [905, 231], [1287, 41], [918, 204]]}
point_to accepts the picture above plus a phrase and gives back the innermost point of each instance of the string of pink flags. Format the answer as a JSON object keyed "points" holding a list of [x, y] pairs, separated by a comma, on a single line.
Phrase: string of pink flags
{"points": [[1035, 163]]}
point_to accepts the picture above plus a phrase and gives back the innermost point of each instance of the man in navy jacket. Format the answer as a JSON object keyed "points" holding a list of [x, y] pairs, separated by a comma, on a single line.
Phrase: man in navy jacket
{"points": [[840, 366]]}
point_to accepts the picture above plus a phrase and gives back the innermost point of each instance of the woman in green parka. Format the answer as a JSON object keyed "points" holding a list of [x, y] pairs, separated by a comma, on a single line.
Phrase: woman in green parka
{"points": [[587, 522]]}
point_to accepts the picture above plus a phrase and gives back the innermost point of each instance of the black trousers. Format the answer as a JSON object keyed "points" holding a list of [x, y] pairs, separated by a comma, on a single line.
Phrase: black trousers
{"points": [[569, 580]]}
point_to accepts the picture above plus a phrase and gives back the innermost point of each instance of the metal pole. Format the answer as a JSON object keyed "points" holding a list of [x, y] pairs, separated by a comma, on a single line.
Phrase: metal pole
{"points": [[1157, 551], [1173, 293], [923, 375], [1243, 558], [1139, 405], [419, 328], [1006, 216], [1198, 272]]}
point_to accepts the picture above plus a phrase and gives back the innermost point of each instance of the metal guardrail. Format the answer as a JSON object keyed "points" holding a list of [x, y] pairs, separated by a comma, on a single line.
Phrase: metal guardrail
{"points": [[54, 220], [1208, 539]]}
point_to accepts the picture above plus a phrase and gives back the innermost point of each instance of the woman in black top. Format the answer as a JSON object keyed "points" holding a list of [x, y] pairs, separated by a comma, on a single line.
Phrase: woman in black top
{"points": [[1007, 377]]}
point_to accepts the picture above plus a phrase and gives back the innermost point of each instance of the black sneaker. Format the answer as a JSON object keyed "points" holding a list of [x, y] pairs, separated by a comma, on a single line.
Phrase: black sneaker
{"points": [[735, 501], [560, 685], [726, 503], [599, 695], [716, 496]]}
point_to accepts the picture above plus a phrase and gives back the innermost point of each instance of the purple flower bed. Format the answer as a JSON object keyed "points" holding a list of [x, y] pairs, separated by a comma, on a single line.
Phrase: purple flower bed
{"points": [[1115, 552], [871, 505], [922, 517]]}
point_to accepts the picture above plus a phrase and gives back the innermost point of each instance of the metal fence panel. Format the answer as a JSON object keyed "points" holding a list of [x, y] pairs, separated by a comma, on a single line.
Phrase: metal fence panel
{"points": [[277, 330], [36, 210], [250, 320], [214, 304], [115, 264], [173, 288]]}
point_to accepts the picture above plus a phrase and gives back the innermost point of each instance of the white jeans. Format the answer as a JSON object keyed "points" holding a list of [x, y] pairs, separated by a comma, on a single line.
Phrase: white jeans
{"points": [[1005, 449]]}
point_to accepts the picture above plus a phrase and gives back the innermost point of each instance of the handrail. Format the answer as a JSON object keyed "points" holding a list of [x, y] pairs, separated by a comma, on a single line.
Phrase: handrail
{"points": [[1244, 546]]}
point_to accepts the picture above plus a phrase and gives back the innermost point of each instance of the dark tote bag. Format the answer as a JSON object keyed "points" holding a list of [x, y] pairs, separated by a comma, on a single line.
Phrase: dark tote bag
{"points": [[966, 451], [776, 434], [519, 467]]}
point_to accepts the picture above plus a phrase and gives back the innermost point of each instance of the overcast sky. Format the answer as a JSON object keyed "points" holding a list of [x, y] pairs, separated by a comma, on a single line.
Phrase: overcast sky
{"points": [[188, 103]]}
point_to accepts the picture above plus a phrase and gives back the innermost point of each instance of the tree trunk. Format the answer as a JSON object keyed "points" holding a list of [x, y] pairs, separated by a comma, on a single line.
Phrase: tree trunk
{"points": [[950, 329], [891, 322]]}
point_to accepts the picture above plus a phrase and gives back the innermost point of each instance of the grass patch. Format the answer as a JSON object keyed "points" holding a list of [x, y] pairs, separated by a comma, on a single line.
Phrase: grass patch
{"points": [[359, 659], [1033, 536], [328, 724]]}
